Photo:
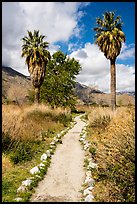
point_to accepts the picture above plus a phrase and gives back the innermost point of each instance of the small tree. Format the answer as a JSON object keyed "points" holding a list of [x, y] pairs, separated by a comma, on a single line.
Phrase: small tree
{"points": [[57, 88], [34, 49]]}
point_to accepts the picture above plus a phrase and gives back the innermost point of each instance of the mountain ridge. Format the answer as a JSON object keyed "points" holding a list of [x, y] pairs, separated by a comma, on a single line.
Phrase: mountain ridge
{"points": [[15, 86]]}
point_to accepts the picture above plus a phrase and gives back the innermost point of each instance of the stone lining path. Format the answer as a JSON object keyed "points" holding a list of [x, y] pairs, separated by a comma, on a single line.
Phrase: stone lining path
{"points": [[64, 178]]}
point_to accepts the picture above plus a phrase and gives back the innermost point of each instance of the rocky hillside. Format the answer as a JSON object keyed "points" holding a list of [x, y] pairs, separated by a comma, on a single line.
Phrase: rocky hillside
{"points": [[90, 95], [15, 87]]}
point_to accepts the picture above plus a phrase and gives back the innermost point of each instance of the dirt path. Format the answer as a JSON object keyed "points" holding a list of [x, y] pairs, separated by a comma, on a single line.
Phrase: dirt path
{"points": [[65, 175]]}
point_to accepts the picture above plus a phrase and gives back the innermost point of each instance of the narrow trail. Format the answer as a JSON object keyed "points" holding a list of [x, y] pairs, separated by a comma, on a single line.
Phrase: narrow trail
{"points": [[64, 178]]}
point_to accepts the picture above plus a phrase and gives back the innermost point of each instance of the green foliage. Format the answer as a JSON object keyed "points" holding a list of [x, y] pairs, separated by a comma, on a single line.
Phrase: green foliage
{"points": [[6, 187], [6, 141], [92, 150], [62, 117], [57, 88], [23, 152]]}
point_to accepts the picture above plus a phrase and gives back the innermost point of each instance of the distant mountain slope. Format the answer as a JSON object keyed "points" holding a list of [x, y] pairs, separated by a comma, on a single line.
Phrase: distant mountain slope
{"points": [[15, 85], [84, 92], [13, 72], [90, 95]]}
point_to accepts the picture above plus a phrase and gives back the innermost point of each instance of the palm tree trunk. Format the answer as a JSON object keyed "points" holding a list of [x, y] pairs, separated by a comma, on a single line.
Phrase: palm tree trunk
{"points": [[113, 84], [37, 93]]}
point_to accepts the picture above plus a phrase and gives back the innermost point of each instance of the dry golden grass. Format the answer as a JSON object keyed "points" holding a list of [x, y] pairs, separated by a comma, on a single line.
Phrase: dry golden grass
{"points": [[18, 121], [115, 153], [97, 112]]}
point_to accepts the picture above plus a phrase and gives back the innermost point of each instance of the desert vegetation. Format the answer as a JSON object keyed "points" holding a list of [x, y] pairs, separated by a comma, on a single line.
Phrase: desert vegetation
{"points": [[112, 138], [27, 132]]}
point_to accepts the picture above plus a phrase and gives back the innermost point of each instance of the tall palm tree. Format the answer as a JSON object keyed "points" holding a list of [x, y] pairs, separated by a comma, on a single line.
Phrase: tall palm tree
{"points": [[109, 38], [34, 49]]}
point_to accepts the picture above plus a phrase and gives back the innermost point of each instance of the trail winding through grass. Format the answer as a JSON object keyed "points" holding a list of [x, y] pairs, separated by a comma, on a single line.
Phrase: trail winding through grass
{"points": [[64, 178]]}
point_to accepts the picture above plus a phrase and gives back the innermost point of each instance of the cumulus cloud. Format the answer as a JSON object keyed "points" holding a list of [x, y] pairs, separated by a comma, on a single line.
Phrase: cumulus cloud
{"points": [[127, 51], [125, 77], [57, 20], [96, 70]]}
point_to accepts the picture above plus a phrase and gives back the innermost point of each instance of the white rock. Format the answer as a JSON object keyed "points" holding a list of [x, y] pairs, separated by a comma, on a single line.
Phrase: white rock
{"points": [[34, 170], [86, 147], [56, 140], [86, 192], [92, 165], [43, 157], [48, 153], [89, 180], [38, 176], [18, 199], [89, 198], [62, 132], [58, 135], [21, 188], [90, 160], [41, 165], [52, 143], [27, 182], [90, 188], [52, 147], [81, 139], [84, 136], [86, 142], [88, 173]]}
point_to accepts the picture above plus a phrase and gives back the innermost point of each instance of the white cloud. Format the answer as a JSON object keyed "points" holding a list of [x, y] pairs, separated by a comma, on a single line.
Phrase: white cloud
{"points": [[96, 70], [125, 77], [127, 52], [57, 20]]}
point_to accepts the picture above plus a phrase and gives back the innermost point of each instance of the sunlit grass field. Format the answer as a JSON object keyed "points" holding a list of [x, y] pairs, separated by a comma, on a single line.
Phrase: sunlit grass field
{"points": [[112, 136], [27, 132]]}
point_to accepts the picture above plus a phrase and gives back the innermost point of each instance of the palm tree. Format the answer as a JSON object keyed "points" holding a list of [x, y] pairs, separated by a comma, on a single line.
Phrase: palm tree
{"points": [[34, 49], [109, 38]]}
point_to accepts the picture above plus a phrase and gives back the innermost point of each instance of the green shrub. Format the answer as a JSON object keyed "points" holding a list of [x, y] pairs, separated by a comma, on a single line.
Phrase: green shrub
{"points": [[39, 115], [22, 153], [64, 119], [92, 150]]}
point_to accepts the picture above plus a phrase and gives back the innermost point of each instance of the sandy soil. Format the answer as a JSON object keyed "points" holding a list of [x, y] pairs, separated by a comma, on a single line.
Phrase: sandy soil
{"points": [[64, 178]]}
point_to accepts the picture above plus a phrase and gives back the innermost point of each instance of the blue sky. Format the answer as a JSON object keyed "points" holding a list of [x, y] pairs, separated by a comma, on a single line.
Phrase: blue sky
{"points": [[69, 27], [95, 9]]}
